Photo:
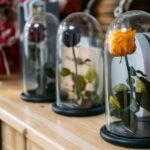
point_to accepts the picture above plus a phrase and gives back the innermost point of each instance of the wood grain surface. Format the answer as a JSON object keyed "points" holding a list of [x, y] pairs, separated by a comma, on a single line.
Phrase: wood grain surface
{"points": [[37, 127]]}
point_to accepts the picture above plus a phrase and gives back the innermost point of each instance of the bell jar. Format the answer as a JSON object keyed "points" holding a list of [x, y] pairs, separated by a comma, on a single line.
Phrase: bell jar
{"points": [[39, 58], [127, 81], [79, 66]]}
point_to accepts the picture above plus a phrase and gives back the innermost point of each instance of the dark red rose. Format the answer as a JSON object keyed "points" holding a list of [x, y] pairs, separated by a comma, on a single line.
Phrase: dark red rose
{"points": [[36, 32]]}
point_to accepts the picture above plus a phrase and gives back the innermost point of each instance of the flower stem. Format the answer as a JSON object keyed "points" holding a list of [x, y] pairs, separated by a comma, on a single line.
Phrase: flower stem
{"points": [[130, 116], [130, 80], [76, 74], [40, 73]]}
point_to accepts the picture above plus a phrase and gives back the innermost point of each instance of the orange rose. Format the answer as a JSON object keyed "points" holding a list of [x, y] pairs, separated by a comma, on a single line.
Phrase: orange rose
{"points": [[121, 42]]}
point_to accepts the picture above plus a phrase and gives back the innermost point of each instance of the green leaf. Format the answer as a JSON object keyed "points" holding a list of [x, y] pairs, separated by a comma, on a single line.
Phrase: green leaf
{"points": [[140, 87], [87, 60], [91, 74], [128, 117], [81, 82], [120, 87], [49, 71], [144, 101], [114, 102], [65, 72], [80, 61]]}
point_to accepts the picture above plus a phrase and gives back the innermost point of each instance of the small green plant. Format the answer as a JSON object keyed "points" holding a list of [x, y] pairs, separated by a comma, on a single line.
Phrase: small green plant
{"points": [[84, 96]]}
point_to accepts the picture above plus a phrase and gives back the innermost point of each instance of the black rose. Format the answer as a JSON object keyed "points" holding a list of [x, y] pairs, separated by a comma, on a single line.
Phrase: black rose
{"points": [[71, 36]]}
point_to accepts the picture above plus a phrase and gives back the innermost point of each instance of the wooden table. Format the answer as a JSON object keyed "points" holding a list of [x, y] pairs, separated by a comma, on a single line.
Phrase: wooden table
{"points": [[31, 126]]}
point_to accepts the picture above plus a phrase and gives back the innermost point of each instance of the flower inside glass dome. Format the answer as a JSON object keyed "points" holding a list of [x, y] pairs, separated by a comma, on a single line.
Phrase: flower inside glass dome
{"points": [[127, 80], [79, 66], [39, 58], [121, 43]]}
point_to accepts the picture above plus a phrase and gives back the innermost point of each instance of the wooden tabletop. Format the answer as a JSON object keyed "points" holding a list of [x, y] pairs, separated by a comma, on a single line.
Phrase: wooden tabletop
{"points": [[41, 125]]}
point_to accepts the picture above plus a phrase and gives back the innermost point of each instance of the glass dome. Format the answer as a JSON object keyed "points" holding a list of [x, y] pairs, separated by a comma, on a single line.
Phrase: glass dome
{"points": [[127, 80], [39, 58], [79, 66]]}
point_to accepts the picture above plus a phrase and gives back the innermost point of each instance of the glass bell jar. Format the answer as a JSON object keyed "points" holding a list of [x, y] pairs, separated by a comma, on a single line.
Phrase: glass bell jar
{"points": [[39, 58], [79, 66], [127, 81]]}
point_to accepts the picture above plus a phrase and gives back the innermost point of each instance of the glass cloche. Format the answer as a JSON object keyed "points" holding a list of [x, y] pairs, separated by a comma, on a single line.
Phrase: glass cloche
{"points": [[79, 66], [39, 58], [127, 81]]}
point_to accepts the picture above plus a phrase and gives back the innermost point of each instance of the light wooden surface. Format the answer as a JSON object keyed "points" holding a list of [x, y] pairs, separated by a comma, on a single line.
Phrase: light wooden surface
{"points": [[31, 126], [11, 138]]}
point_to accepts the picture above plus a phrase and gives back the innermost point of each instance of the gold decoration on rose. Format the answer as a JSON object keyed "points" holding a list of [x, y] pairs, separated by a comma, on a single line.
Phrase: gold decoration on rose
{"points": [[121, 42]]}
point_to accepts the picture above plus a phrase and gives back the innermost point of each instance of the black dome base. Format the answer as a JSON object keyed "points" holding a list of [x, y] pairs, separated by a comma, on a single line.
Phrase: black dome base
{"points": [[37, 98], [128, 142], [75, 112]]}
